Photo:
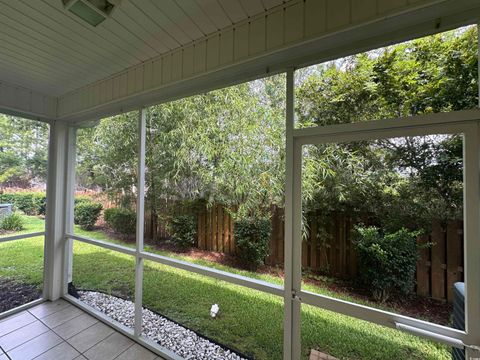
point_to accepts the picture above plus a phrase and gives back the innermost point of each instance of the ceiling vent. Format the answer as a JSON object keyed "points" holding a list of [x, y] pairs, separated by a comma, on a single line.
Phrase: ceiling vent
{"points": [[91, 11]]}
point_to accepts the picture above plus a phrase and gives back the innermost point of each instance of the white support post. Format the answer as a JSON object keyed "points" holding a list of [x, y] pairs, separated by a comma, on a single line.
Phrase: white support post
{"points": [[70, 205], [140, 223], [472, 233], [55, 219], [293, 271], [472, 240]]}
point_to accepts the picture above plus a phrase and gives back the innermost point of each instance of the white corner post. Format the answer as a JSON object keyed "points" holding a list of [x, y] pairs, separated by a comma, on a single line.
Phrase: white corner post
{"points": [[69, 205], [472, 234], [142, 119], [60, 145], [472, 241], [293, 198]]}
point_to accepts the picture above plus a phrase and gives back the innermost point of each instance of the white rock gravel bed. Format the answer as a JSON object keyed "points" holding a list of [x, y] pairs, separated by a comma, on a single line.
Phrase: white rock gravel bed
{"points": [[168, 334]]}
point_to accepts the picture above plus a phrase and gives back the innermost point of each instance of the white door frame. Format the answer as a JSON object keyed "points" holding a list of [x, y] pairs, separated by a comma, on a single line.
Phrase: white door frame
{"points": [[465, 122]]}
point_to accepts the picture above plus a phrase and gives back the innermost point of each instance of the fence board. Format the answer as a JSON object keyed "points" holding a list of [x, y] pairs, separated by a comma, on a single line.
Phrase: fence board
{"points": [[220, 231], [423, 266], [313, 242], [454, 256], [438, 267], [438, 261]]}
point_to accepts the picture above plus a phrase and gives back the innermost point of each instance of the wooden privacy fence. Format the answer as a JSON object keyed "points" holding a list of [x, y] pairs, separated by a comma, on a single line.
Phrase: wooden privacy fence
{"points": [[439, 266]]}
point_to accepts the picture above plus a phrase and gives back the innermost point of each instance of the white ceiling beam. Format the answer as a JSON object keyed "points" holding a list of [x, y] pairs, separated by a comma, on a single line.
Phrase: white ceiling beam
{"points": [[299, 34], [20, 101]]}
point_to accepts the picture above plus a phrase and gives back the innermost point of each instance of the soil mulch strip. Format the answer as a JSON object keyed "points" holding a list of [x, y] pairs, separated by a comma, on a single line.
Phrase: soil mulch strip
{"points": [[14, 293]]}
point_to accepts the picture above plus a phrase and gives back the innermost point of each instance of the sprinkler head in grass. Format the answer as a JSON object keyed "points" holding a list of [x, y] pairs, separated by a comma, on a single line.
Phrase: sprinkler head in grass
{"points": [[214, 310]]}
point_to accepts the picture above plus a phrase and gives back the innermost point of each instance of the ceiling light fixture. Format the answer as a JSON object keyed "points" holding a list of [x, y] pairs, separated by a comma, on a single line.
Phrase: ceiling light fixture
{"points": [[93, 12]]}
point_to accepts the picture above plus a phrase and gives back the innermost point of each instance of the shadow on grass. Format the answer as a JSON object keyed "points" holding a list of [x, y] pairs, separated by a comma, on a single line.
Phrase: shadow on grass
{"points": [[249, 320]]}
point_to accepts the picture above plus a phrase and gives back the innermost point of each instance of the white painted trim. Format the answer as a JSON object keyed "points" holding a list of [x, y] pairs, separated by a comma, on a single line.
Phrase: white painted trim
{"points": [[103, 244], [54, 263], [22, 236], [453, 342], [472, 236], [255, 284], [465, 122], [69, 205], [142, 115], [421, 20], [241, 280], [291, 328], [20, 308], [443, 123], [376, 316]]}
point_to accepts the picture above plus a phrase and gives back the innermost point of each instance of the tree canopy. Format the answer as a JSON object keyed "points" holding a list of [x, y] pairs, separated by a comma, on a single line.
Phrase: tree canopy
{"points": [[228, 146]]}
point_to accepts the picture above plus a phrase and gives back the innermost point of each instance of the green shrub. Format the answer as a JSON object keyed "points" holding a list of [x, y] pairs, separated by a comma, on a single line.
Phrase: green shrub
{"points": [[12, 222], [41, 203], [252, 237], [183, 230], [121, 220], [82, 199], [86, 214], [386, 262], [30, 203]]}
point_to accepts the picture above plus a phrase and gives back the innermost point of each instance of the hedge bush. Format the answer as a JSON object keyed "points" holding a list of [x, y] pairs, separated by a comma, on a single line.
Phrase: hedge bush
{"points": [[183, 230], [12, 222], [386, 262], [87, 213], [121, 220], [252, 237], [30, 203]]}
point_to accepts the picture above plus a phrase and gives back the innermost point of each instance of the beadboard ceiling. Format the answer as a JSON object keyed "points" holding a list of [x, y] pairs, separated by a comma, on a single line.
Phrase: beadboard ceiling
{"points": [[47, 49]]}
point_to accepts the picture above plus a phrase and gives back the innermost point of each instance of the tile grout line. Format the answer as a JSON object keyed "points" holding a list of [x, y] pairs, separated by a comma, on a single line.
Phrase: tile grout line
{"points": [[40, 319], [53, 331], [133, 343], [83, 353], [65, 340], [20, 326], [48, 329]]}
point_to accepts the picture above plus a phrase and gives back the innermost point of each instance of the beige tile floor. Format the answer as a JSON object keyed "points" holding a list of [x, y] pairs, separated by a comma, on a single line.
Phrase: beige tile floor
{"points": [[60, 331]]}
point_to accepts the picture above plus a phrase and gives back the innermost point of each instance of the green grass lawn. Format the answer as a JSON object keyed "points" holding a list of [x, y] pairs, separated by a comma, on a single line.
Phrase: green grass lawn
{"points": [[249, 320]]}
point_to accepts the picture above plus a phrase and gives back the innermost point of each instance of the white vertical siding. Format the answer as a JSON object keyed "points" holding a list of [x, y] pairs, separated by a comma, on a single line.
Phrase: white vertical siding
{"points": [[24, 102], [290, 23]]}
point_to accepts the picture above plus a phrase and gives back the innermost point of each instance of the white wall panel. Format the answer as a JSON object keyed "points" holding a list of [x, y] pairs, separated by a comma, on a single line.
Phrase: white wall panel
{"points": [[177, 65], [294, 23], [148, 75], [263, 35], [131, 81], [240, 42], [200, 57], [188, 61], [385, 6], [167, 69], [275, 29], [157, 73], [213, 52], [338, 14], [363, 10], [315, 17], [257, 40], [226, 47]]}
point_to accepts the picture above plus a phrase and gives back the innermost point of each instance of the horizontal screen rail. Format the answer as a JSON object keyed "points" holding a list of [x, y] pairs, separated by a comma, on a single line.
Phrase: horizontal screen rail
{"points": [[380, 317], [103, 244], [22, 236], [450, 122], [241, 280], [431, 335]]}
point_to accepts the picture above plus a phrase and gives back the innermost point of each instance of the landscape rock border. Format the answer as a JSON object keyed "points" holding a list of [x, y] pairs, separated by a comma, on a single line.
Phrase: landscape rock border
{"points": [[166, 332]]}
